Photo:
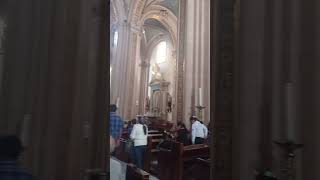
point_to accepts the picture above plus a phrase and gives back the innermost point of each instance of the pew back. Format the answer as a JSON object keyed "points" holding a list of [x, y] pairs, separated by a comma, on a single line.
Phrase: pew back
{"points": [[172, 160]]}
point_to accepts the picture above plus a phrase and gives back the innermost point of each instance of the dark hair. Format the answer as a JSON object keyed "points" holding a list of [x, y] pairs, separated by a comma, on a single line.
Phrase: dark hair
{"points": [[10, 147], [141, 121], [133, 121], [113, 108], [181, 124], [201, 122], [192, 118], [144, 129]]}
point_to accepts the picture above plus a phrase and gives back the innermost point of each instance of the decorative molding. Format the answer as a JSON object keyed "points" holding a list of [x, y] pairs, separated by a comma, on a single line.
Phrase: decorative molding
{"points": [[170, 22], [137, 11]]}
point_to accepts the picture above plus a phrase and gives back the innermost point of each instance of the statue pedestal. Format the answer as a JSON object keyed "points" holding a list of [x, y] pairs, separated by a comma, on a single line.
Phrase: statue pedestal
{"points": [[159, 98]]}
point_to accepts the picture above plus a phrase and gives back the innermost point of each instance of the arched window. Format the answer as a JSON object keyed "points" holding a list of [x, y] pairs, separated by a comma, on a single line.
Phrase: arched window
{"points": [[161, 52], [115, 39]]}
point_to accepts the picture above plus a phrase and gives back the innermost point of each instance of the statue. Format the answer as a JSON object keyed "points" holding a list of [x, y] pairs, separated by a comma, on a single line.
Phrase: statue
{"points": [[169, 101], [156, 74], [147, 108]]}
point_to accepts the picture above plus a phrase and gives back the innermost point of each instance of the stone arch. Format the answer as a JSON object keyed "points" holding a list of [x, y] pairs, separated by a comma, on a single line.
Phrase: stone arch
{"points": [[169, 21], [154, 42]]}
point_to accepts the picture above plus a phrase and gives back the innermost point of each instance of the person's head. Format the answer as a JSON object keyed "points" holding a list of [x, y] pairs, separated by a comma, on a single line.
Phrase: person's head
{"points": [[181, 125], [10, 147], [113, 108], [193, 119], [141, 121], [133, 121]]}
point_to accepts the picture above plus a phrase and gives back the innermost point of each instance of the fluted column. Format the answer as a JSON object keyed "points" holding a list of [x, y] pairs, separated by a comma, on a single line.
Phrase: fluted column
{"points": [[197, 59], [125, 76], [119, 63], [130, 83], [144, 65]]}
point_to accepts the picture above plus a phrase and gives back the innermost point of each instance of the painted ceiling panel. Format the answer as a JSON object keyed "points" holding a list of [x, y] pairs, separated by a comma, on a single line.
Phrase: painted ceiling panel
{"points": [[154, 22], [172, 5], [152, 32]]}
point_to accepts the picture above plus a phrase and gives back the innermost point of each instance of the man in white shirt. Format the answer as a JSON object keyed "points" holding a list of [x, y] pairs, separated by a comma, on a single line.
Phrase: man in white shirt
{"points": [[198, 133], [205, 130]]}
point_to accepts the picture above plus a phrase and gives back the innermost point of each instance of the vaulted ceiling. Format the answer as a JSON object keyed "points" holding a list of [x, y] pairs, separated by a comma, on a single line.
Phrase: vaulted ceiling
{"points": [[172, 5], [154, 28]]}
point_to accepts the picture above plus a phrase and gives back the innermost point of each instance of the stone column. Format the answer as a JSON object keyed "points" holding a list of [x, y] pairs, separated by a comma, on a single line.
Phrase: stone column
{"points": [[197, 59], [125, 76], [136, 80], [3, 34], [180, 63], [223, 77], [129, 71], [119, 63], [144, 65]]}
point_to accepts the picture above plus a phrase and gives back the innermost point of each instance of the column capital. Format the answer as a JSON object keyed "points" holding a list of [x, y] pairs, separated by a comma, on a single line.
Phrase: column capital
{"points": [[135, 28]]}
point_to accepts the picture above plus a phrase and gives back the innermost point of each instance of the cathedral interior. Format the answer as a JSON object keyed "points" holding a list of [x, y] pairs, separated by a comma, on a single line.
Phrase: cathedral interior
{"points": [[247, 69]]}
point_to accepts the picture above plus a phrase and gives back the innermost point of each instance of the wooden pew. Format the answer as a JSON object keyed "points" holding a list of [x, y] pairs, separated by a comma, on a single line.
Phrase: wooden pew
{"points": [[132, 172], [199, 165], [154, 138], [120, 151], [172, 161]]}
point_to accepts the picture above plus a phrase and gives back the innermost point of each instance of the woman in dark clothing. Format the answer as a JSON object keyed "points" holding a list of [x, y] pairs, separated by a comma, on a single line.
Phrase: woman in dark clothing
{"points": [[182, 134]]}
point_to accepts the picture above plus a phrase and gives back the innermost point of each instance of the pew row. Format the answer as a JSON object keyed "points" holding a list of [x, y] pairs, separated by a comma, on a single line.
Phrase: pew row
{"points": [[173, 161], [122, 170], [154, 138]]}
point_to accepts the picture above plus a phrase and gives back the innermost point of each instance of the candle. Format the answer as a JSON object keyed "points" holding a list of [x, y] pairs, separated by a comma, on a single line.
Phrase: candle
{"points": [[137, 103], [118, 102], [196, 98], [200, 97]]}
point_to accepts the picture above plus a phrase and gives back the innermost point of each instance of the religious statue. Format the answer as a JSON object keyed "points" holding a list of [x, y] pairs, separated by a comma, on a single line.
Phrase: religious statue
{"points": [[155, 71], [169, 101], [156, 102], [147, 108]]}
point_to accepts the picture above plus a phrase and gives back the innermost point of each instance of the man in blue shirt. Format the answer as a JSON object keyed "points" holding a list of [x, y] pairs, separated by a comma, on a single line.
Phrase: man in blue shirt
{"points": [[10, 150], [116, 124]]}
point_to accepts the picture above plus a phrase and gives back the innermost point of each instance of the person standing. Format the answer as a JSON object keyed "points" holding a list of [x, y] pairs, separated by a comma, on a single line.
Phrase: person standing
{"points": [[139, 135], [205, 129], [197, 133], [10, 150], [182, 134], [116, 124]]}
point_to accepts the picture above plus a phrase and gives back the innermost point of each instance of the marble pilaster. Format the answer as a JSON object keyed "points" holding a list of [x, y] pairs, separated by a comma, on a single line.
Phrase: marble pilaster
{"points": [[197, 55]]}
